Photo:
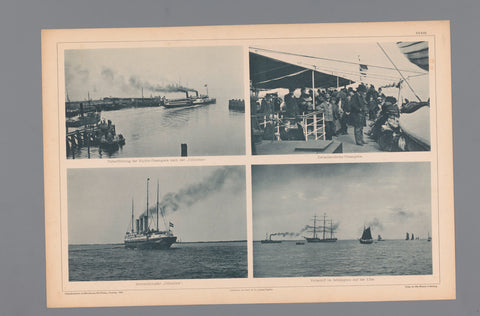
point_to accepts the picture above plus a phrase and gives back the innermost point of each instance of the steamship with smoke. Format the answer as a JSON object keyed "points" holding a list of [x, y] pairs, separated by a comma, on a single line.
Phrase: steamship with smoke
{"points": [[189, 100], [269, 240], [143, 236]]}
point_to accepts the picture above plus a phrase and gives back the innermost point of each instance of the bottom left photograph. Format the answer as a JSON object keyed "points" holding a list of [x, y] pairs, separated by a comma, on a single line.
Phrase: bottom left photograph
{"points": [[156, 223]]}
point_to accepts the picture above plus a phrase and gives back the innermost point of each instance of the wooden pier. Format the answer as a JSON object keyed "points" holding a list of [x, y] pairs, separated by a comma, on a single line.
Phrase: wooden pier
{"points": [[101, 135]]}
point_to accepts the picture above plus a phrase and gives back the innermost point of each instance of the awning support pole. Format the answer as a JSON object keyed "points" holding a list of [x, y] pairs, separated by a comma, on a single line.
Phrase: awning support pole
{"points": [[313, 88]]}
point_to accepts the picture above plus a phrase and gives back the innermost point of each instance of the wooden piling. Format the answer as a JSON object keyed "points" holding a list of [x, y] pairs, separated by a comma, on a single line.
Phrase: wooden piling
{"points": [[183, 150]]}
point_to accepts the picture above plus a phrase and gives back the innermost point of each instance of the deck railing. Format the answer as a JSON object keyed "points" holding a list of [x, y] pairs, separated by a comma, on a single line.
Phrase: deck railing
{"points": [[314, 125]]}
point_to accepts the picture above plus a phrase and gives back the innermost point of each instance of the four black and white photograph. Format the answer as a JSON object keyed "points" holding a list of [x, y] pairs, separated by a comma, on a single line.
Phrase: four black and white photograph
{"points": [[133, 224], [154, 102], [340, 98], [354, 219]]}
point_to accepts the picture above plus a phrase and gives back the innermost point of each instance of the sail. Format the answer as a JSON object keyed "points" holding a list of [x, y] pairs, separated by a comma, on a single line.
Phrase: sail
{"points": [[366, 234]]}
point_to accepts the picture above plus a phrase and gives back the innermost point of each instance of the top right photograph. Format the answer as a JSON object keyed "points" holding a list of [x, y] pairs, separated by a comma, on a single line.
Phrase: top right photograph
{"points": [[340, 98]]}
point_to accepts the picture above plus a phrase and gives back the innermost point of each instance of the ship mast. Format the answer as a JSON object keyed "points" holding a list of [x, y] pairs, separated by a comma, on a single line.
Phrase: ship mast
{"points": [[324, 216], [314, 226], [157, 205], [133, 220], [146, 218], [331, 229]]}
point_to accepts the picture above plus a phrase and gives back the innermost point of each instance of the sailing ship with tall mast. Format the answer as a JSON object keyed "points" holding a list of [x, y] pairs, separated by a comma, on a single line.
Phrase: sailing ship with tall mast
{"points": [[327, 233], [366, 236], [142, 236]]}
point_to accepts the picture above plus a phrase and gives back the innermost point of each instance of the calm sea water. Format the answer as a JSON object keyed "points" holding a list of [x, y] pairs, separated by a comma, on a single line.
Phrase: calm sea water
{"points": [[342, 258], [208, 130], [182, 261]]}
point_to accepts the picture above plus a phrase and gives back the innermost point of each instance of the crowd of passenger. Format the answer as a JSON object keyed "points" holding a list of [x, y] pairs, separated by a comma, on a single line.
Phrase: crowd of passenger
{"points": [[341, 108]]}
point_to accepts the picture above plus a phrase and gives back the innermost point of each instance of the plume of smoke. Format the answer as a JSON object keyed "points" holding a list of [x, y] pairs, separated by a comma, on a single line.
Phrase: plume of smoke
{"points": [[138, 83], [375, 223], [196, 192], [286, 234], [135, 83], [304, 229], [327, 228]]}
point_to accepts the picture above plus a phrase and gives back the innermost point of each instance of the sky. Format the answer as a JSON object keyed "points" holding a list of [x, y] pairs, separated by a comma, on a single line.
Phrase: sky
{"points": [[121, 72], [209, 204], [368, 53], [392, 198]]}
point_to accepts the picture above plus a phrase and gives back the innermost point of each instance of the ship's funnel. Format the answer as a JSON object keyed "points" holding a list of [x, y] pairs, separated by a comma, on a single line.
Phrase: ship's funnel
{"points": [[137, 225], [145, 222], [141, 224]]}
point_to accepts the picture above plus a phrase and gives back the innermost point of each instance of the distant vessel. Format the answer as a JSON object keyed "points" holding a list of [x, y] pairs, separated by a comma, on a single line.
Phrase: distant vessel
{"points": [[268, 240], [323, 229], [413, 237], [380, 238], [366, 236], [408, 237], [189, 100], [146, 238], [429, 238], [300, 243]]}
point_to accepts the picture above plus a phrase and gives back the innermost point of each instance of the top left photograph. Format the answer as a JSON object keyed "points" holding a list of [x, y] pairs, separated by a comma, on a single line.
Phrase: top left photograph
{"points": [[154, 102]]}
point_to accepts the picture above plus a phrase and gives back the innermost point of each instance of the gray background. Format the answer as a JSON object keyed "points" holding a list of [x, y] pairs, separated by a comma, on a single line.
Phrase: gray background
{"points": [[22, 260]]}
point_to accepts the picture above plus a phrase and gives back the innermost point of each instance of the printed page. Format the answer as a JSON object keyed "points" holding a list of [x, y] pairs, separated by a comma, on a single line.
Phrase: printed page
{"points": [[248, 164]]}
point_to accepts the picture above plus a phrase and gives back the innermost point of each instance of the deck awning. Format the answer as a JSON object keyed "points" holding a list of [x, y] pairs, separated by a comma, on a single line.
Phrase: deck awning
{"points": [[270, 73], [416, 52]]}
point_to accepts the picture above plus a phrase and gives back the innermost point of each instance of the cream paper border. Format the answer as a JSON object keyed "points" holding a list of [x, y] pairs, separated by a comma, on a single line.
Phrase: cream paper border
{"points": [[62, 293]]}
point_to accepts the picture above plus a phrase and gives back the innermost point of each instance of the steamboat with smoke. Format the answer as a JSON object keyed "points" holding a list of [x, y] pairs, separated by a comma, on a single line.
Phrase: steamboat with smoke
{"points": [[191, 99], [268, 240], [142, 236], [327, 232]]}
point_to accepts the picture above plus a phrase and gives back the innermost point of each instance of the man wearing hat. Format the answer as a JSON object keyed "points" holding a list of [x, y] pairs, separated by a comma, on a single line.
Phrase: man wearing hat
{"points": [[358, 107], [291, 105]]}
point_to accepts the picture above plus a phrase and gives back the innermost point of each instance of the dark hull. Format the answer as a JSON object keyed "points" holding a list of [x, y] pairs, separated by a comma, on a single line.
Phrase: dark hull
{"points": [[177, 103], [321, 240], [158, 243], [188, 102], [270, 241], [366, 241]]}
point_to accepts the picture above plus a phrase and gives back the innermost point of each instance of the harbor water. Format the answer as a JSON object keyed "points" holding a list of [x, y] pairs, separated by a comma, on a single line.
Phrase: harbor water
{"points": [[208, 130], [342, 258], [114, 262]]}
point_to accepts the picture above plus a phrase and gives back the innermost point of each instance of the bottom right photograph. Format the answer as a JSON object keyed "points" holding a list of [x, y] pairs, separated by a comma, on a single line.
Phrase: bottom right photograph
{"points": [[348, 219]]}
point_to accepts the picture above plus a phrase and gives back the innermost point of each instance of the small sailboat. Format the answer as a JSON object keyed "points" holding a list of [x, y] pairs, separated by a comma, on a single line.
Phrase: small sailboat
{"points": [[408, 237], [429, 238], [380, 238], [366, 236]]}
